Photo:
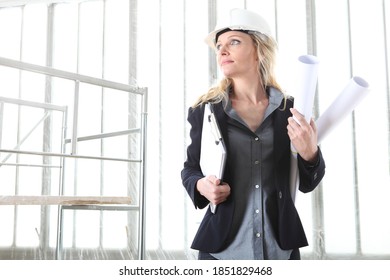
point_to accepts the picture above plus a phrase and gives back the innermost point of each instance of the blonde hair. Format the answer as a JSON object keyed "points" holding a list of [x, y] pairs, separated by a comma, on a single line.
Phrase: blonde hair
{"points": [[266, 50]]}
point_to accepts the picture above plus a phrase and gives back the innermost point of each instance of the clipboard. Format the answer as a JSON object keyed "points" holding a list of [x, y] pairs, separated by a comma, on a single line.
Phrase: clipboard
{"points": [[213, 150]]}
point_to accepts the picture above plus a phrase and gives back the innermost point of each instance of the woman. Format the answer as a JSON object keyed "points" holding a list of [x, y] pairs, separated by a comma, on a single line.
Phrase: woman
{"points": [[256, 217]]}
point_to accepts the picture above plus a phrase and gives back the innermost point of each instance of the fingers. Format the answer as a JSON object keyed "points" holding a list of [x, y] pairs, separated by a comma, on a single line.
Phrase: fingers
{"points": [[299, 119], [297, 125], [303, 135], [213, 179], [220, 194], [211, 188]]}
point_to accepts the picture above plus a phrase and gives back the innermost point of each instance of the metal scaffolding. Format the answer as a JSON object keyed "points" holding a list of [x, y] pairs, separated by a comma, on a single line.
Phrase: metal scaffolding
{"points": [[100, 203]]}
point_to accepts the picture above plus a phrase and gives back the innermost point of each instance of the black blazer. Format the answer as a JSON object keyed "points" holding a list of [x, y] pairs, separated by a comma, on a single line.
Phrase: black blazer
{"points": [[214, 229]]}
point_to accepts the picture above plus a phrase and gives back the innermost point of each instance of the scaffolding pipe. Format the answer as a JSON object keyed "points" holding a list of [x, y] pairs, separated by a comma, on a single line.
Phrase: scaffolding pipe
{"points": [[67, 155], [70, 76], [75, 116], [47, 106], [105, 135]]}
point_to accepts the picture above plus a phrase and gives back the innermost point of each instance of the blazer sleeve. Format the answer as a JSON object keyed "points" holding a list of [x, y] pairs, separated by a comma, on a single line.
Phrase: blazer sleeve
{"points": [[191, 171], [310, 175]]}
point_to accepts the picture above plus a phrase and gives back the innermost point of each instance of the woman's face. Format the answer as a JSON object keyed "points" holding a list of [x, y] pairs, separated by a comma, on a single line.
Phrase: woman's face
{"points": [[236, 54]]}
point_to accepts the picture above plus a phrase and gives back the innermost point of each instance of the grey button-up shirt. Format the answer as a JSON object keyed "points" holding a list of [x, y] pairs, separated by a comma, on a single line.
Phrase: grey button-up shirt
{"points": [[253, 190]]}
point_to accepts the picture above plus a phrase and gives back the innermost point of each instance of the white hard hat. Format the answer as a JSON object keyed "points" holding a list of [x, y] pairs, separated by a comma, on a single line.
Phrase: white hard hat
{"points": [[240, 19]]}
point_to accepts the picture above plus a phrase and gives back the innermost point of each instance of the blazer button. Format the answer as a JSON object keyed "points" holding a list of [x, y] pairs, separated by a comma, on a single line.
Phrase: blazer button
{"points": [[280, 195]]}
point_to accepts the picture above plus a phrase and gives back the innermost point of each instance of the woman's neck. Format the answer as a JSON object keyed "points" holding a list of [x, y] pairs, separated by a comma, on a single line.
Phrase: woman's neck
{"points": [[246, 90]]}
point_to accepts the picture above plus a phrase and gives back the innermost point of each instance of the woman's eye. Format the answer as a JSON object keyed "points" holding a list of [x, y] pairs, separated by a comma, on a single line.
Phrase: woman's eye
{"points": [[233, 42]]}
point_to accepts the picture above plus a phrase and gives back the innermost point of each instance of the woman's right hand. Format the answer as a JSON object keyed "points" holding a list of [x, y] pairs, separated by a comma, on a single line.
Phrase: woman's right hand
{"points": [[211, 188]]}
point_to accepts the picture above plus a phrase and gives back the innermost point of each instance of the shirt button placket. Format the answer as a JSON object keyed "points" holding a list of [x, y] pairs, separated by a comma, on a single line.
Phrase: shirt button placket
{"points": [[257, 228]]}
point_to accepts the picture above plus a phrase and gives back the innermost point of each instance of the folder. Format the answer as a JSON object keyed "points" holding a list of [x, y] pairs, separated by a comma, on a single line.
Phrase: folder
{"points": [[213, 150]]}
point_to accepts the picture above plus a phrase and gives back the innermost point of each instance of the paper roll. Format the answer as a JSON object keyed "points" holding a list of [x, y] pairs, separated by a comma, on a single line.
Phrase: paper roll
{"points": [[344, 104], [306, 85], [304, 92]]}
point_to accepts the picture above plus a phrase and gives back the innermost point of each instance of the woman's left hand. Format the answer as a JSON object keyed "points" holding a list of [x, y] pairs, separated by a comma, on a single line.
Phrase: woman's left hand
{"points": [[303, 136]]}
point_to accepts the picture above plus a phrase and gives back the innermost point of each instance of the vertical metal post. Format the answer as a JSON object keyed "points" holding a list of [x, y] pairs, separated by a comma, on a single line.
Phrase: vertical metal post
{"points": [[61, 187], [317, 195], [212, 16], [355, 163], [60, 225], [102, 116], [142, 190], [16, 216], [185, 132], [75, 117], [47, 136], [276, 20], [132, 121]]}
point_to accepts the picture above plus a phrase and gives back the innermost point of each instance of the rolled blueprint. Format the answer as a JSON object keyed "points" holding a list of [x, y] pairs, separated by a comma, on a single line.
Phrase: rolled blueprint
{"points": [[306, 85], [344, 104], [303, 101]]}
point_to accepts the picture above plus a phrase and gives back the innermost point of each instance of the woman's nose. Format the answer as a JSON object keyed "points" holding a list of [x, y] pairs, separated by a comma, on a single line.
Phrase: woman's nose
{"points": [[222, 49]]}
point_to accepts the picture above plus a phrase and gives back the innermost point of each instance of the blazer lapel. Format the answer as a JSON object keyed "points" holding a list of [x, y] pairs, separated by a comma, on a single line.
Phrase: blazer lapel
{"points": [[281, 139], [220, 115]]}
